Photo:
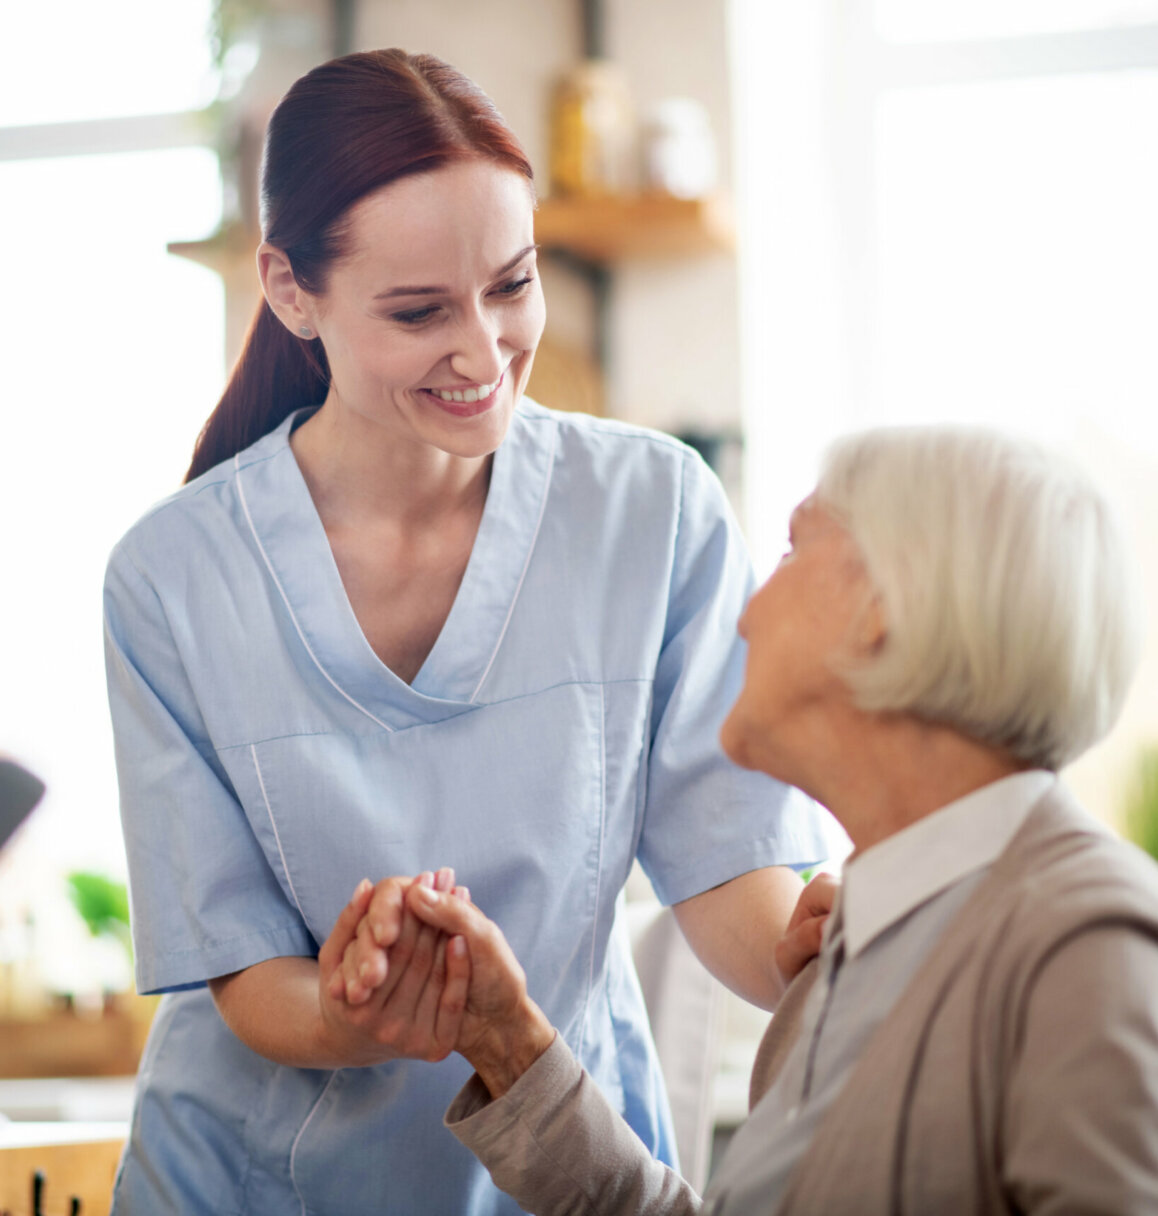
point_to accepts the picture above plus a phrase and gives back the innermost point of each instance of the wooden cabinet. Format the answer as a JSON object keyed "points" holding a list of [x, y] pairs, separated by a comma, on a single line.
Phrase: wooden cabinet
{"points": [[73, 1162]]}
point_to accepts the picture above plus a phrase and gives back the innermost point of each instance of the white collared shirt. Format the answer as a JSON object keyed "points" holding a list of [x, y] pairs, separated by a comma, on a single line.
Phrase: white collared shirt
{"points": [[885, 883], [897, 898]]}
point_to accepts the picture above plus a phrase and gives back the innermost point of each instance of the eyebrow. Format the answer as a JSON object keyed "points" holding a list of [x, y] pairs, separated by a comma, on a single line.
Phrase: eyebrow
{"points": [[435, 291]]}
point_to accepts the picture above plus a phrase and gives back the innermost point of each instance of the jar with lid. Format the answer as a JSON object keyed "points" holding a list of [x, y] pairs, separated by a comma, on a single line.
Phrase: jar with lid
{"points": [[592, 132], [679, 152]]}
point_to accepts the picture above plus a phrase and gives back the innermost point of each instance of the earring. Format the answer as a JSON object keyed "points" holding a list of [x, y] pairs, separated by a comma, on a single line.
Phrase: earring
{"points": [[306, 332]]}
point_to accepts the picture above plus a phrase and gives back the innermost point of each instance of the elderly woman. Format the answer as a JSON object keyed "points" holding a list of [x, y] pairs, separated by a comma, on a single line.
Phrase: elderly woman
{"points": [[954, 622]]}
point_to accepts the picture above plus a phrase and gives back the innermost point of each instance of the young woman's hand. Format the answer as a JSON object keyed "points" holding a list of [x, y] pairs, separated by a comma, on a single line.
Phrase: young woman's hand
{"points": [[385, 988]]}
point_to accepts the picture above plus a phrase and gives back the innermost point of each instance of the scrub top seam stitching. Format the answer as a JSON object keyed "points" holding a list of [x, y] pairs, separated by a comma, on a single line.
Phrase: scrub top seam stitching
{"points": [[598, 866], [218, 943], [276, 833], [610, 426], [301, 1133], [289, 606], [526, 565], [401, 730]]}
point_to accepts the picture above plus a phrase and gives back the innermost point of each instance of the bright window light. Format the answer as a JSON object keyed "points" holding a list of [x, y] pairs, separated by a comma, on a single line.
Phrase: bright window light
{"points": [[114, 361], [1018, 255], [940, 20], [958, 233], [119, 364], [71, 60]]}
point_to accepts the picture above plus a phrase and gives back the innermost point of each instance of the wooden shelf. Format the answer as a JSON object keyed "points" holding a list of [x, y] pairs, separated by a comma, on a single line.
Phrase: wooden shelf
{"points": [[608, 229], [62, 1044]]}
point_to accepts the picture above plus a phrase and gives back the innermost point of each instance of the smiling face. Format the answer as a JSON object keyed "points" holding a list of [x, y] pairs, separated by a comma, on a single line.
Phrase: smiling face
{"points": [[810, 612], [431, 318]]}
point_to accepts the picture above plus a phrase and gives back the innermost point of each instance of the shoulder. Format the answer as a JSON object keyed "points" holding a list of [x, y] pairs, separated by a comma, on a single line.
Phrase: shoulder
{"points": [[194, 515], [613, 458], [607, 439], [1068, 874]]}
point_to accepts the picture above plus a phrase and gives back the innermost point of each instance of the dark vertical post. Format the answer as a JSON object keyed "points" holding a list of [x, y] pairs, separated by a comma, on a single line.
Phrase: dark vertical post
{"points": [[593, 41], [342, 26]]}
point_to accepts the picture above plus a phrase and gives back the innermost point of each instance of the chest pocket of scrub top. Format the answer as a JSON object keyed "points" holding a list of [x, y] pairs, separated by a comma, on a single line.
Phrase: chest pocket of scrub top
{"points": [[511, 795]]}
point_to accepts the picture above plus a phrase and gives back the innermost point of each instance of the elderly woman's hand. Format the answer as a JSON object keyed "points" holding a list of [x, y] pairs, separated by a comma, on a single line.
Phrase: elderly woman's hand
{"points": [[502, 1032], [801, 940]]}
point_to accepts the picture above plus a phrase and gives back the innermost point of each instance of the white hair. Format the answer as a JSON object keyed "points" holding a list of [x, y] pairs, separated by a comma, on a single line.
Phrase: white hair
{"points": [[1007, 588]]}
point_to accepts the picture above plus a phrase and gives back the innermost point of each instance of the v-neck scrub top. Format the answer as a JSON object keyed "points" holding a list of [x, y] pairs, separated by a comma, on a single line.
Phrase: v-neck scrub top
{"points": [[564, 723]]}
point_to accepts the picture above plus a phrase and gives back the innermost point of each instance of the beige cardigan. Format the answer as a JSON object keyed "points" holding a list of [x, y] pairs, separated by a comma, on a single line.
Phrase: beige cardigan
{"points": [[989, 1089]]}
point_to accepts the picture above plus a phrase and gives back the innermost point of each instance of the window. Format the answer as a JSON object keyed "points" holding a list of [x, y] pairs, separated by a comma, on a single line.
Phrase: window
{"points": [[947, 214], [115, 359]]}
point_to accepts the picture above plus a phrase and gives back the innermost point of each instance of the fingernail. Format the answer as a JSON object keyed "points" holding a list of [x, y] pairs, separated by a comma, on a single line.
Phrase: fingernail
{"points": [[426, 879], [427, 895], [362, 888], [457, 946], [463, 893], [445, 879], [364, 974]]}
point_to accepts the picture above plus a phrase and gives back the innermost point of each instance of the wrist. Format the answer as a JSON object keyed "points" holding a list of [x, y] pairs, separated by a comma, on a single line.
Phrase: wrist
{"points": [[508, 1049]]}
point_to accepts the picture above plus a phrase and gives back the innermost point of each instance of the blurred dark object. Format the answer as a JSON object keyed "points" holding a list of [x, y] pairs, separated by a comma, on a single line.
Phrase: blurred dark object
{"points": [[20, 791], [716, 447]]}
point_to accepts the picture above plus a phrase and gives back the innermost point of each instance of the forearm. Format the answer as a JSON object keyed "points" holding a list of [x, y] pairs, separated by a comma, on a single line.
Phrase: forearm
{"points": [[734, 928], [504, 1051], [274, 1007], [555, 1144]]}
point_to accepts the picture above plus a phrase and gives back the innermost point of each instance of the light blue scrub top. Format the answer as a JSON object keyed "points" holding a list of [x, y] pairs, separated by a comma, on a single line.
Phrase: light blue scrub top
{"points": [[564, 723]]}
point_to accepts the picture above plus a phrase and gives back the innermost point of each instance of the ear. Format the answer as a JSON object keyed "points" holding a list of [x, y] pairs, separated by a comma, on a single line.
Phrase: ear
{"points": [[871, 629], [291, 304]]}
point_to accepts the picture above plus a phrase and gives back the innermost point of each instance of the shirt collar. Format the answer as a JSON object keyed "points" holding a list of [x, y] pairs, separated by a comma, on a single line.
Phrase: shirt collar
{"points": [[888, 881]]}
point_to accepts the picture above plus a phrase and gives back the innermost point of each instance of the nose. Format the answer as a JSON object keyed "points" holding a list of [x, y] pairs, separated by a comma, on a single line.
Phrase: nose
{"points": [[478, 354]]}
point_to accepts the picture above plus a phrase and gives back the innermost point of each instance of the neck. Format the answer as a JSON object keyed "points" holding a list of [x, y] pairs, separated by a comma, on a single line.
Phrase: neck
{"points": [[371, 475], [897, 769]]}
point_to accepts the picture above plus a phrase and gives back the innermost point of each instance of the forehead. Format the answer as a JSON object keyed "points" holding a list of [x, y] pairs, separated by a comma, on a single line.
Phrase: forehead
{"points": [[812, 522], [462, 219], [810, 515]]}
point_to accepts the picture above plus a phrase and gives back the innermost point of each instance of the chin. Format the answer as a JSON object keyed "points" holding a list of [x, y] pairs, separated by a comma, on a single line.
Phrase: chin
{"points": [[733, 742], [478, 436]]}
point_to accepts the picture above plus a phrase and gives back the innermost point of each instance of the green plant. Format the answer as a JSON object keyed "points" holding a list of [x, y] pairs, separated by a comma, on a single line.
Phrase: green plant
{"points": [[103, 904], [229, 21], [1140, 821]]}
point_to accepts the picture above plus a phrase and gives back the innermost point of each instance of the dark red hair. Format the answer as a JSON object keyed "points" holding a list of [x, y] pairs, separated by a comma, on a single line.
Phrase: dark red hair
{"points": [[344, 130]]}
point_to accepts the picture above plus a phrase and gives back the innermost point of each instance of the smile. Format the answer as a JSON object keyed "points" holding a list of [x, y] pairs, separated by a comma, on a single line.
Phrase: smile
{"points": [[466, 395]]}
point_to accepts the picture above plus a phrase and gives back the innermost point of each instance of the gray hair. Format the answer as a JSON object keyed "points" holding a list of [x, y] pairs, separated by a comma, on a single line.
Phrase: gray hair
{"points": [[1006, 584]]}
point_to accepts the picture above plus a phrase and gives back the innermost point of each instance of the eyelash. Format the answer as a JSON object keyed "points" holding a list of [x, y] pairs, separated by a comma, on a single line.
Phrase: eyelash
{"points": [[415, 316]]}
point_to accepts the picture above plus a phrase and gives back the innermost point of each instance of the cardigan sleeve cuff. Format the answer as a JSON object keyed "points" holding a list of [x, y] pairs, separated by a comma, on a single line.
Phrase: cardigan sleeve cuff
{"points": [[479, 1121], [557, 1147]]}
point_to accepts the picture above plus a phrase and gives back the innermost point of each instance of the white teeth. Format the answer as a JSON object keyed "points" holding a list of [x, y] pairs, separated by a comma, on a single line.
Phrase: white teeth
{"points": [[466, 395]]}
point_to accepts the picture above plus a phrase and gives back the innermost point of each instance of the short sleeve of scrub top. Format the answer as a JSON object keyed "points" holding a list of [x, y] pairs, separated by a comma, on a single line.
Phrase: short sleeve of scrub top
{"points": [[565, 722]]}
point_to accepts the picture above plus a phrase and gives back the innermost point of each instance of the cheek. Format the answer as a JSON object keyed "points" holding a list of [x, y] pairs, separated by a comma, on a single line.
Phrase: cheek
{"points": [[398, 359], [527, 327]]}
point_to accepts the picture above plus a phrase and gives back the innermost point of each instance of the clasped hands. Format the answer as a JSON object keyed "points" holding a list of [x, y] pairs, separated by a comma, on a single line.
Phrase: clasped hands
{"points": [[413, 969]]}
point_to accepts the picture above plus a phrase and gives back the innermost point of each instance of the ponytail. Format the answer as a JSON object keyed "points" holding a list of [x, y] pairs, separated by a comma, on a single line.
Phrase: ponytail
{"points": [[275, 375]]}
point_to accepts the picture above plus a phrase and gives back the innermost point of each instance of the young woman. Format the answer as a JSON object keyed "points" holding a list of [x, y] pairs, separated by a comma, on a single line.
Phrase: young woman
{"points": [[402, 616]]}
